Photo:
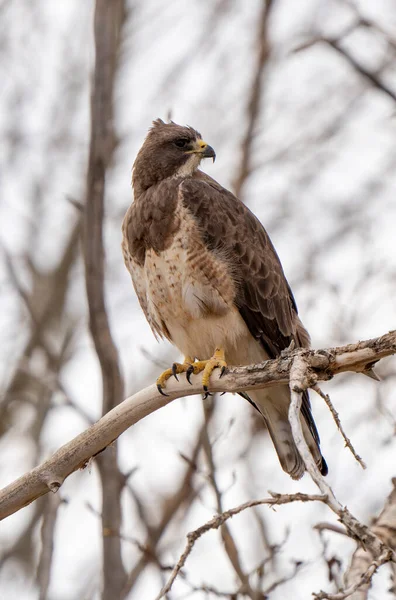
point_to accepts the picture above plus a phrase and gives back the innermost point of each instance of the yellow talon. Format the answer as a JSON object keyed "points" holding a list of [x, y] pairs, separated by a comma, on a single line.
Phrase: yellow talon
{"points": [[189, 366], [208, 366], [175, 370]]}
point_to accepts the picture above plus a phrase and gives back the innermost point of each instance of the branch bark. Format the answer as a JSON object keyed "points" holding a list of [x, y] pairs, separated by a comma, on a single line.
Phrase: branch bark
{"points": [[323, 365]]}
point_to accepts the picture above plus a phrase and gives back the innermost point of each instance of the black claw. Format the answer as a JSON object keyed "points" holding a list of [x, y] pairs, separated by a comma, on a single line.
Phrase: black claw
{"points": [[223, 370], [222, 393], [207, 393], [174, 371], [189, 372], [159, 388]]}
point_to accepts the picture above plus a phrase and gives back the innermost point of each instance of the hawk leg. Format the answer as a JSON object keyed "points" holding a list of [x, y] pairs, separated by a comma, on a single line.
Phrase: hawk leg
{"points": [[189, 366]]}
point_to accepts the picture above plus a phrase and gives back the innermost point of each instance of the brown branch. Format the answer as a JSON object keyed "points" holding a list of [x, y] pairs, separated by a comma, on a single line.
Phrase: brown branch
{"points": [[254, 102], [108, 22], [322, 365], [336, 44], [53, 502], [368, 75], [230, 546]]}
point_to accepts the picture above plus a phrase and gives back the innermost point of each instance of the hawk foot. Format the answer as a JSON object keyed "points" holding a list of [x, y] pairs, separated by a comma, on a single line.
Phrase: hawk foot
{"points": [[189, 366], [208, 366], [174, 371]]}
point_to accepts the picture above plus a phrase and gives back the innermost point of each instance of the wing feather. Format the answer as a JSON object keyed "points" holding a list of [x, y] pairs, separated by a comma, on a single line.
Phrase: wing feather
{"points": [[264, 298]]}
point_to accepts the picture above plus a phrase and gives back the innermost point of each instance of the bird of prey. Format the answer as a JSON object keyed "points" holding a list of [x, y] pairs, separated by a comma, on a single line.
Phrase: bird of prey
{"points": [[209, 280]]}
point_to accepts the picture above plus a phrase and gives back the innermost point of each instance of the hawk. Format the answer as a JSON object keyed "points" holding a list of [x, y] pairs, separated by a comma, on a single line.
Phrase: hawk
{"points": [[209, 279]]}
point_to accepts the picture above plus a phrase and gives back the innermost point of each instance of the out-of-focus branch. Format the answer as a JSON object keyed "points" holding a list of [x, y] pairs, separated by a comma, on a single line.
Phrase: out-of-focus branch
{"points": [[385, 528], [371, 77], [254, 101], [322, 365], [336, 44], [108, 22], [53, 502], [183, 496], [45, 305], [219, 520], [230, 546]]}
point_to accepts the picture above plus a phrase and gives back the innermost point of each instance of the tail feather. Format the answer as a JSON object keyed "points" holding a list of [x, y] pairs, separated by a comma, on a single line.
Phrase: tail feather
{"points": [[274, 406]]}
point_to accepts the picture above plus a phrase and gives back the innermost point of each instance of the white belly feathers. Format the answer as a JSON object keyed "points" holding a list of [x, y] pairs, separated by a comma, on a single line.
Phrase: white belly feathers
{"points": [[192, 293]]}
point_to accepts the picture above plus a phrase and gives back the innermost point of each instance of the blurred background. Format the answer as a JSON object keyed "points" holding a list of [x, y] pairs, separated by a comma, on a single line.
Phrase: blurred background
{"points": [[299, 101]]}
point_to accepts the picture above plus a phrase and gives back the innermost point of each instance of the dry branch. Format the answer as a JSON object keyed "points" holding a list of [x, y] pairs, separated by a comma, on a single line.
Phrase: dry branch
{"points": [[362, 560], [254, 98], [107, 25], [323, 365]]}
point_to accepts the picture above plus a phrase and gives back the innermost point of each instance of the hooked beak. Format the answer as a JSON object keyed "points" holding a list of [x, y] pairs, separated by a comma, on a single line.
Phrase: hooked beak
{"points": [[202, 148], [209, 153]]}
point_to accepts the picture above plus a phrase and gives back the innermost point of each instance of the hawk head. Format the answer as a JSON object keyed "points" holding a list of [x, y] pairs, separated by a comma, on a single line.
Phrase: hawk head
{"points": [[169, 150]]}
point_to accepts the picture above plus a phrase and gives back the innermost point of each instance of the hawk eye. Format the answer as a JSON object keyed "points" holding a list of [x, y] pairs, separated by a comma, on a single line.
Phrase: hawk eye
{"points": [[181, 143]]}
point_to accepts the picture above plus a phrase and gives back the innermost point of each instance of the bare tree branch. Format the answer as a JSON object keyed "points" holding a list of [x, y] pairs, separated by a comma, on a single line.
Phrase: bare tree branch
{"points": [[364, 580], [362, 561], [254, 100], [108, 22], [53, 502], [219, 520], [336, 44], [323, 365], [337, 421]]}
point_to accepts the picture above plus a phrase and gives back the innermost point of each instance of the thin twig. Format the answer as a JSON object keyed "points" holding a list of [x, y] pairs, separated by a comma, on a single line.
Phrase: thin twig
{"points": [[254, 101], [331, 527], [336, 418]]}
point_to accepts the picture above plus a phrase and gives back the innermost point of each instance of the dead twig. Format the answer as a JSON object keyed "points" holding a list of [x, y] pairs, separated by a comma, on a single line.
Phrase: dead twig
{"points": [[334, 413]]}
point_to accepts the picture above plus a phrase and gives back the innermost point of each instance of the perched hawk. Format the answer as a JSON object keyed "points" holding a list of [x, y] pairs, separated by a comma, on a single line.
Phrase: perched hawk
{"points": [[208, 278]]}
